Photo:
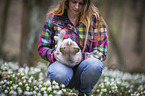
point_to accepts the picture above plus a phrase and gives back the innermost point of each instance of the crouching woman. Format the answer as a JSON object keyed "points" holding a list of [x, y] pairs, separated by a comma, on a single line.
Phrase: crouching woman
{"points": [[83, 24]]}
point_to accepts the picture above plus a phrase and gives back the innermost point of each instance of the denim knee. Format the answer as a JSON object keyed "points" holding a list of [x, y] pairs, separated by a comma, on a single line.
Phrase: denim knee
{"points": [[93, 64], [60, 73]]}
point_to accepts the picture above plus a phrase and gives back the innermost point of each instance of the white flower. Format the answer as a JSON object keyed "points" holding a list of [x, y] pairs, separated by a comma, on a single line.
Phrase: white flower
{"points": [[98, 90], [14, 86], [56, 87], [27, 88], [55, 91], [11, 87], [6, 91], [49, 89], [34, 81], [1, 82], [20, 83], [26, 84], [18, 74], [24, 81], [5, 81], [11, 82], [28, 93], [45, 95], [34, 92], [48, 82], [44, 92], [2, 94], [4, 85], [8, 88], [13, 92], [43, 88], [13, 75], [26, 70], [59, 92], [104, 90], [22, 74], [40, 86], [63, 86], [39, 94], [16, 78], [64, 90], [8, 82], [54, 82], [36, 88], [29, 80], [20, 91]]}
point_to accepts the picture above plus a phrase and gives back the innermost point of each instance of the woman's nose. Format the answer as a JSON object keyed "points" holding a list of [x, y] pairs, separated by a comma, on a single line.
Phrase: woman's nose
{"points": [[77, 6]]}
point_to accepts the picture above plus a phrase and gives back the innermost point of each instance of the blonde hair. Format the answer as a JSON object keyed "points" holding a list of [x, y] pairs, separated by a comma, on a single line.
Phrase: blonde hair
{"points": [[85, 17]]}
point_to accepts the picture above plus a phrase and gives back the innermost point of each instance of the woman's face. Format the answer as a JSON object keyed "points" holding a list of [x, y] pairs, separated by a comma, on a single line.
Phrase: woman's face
{"points": [[76, 6]]}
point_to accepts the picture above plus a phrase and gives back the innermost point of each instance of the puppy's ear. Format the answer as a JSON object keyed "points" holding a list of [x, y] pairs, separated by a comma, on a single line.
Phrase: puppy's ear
{"points": [[56, 38], [75, 50], [63, 50]]}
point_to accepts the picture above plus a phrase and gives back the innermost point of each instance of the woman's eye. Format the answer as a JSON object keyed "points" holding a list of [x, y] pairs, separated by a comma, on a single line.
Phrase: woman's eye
{"points": [[73, 1], [81, 3]]}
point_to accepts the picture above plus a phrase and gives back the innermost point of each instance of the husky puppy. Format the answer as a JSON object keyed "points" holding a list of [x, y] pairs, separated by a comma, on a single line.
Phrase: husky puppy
{"points": [[67, 51]]}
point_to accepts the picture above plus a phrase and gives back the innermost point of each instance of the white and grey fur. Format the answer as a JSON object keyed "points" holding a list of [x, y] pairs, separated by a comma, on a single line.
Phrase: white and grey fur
{"points": [[68, 52]]}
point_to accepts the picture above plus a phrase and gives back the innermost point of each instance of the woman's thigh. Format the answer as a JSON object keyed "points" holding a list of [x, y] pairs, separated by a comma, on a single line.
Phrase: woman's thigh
{"points": [[87, 73]]}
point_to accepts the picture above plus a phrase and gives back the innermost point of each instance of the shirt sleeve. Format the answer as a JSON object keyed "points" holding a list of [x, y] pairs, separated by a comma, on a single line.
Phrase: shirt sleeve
{"points": [[99, 49], [46, 42]]}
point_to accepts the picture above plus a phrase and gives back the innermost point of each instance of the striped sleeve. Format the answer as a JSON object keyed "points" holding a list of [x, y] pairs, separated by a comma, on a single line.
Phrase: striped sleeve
{"points": [[99, 48], [46, 42]]}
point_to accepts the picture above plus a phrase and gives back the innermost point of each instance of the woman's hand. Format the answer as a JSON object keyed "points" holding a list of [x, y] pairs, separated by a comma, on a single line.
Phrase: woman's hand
{"points": [[56, 56]]}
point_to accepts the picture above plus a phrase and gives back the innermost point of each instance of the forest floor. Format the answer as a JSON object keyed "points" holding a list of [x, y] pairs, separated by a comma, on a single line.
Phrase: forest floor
{"points": [[32, 81]]}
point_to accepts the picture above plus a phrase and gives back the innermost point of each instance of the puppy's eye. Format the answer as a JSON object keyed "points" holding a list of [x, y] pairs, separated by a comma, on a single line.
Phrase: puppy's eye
{"points": [[62, 49], [76, 50]]}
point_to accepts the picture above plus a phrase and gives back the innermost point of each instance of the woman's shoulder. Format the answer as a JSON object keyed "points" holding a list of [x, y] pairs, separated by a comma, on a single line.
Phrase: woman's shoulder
{"points": [[50, 16], [96, 19]]}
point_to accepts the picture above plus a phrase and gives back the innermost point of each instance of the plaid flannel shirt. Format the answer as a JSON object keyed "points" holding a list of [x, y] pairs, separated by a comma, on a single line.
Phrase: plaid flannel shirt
{"points": [[54, 24]]}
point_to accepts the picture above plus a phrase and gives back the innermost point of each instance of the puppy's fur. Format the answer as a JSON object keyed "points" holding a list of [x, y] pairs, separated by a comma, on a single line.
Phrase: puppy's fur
{"points": [[68, 52]]}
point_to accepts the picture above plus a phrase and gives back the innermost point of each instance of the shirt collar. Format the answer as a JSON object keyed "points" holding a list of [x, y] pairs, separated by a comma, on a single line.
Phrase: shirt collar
{"points": [[63, 18]]}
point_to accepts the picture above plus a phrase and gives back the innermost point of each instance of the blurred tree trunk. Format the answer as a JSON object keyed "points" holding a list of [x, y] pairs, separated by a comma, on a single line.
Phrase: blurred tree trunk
{"points": [[112, 13], [140, 40], [125, 19], [33, 18], [140, 9], [131, 38], [143, 41], [3, 24]]}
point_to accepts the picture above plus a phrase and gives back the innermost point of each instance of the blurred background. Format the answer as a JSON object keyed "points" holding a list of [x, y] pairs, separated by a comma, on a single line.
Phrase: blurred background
{"points": [[21, 23]]}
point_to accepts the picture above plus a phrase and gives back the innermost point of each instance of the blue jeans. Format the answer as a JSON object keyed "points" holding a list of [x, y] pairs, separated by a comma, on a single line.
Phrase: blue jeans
{"points": [[82, 77]]}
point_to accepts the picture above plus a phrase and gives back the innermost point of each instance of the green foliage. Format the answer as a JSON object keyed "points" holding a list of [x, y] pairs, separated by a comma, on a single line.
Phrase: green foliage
{"points": [[26, 81]]}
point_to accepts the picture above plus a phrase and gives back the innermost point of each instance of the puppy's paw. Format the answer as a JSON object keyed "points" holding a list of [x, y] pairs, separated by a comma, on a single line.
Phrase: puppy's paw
{"points": [[56, 38], [62, 33]]}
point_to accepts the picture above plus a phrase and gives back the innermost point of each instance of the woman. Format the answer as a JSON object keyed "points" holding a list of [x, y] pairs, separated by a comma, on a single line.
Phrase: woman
{"points": [[83, 24]]}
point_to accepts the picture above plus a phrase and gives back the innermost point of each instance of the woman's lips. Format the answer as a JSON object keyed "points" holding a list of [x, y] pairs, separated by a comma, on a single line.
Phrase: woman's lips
{"points": [[76, 11]]}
